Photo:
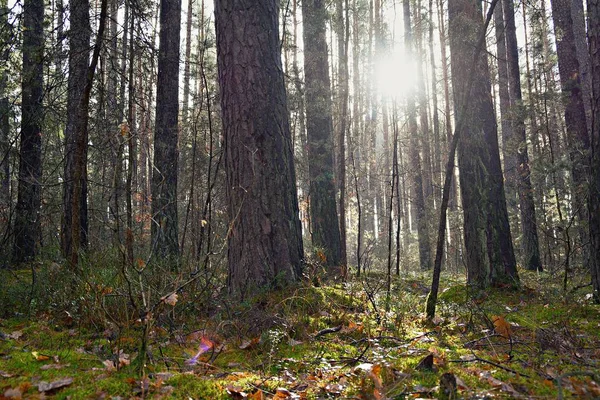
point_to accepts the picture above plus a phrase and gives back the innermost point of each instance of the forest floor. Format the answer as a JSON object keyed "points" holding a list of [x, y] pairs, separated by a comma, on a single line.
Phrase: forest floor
{"points": [[329, 341]]}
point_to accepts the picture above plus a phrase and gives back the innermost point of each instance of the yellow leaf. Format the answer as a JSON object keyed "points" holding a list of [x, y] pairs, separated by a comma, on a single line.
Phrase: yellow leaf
{"points": [[204, 223], [39, 357], [501, 326]]}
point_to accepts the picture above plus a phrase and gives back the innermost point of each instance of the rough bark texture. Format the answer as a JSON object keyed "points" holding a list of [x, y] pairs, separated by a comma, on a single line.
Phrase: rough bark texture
{"points": [[165, 168], [522, 174], [265, 242], [27, 223], [325, 231], [5, 35], [570, 79], [489, 254], [79, 52], [415, 159], [593, 7]]}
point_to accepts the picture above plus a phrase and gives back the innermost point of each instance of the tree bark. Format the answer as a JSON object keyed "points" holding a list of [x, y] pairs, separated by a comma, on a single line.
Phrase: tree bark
{"points": [[27, 218], [79, 51], [593, 7], [165, 168], [5, 36], [343, 26], [415, 158], [488, 243], [319, 128], [264, 236], [575, 120], [522, 173]]}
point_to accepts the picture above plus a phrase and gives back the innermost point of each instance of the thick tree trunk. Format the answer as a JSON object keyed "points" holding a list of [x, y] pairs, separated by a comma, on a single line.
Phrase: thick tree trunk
{"points": [[319, 128], [79, 47], [488, 243], [164, 175], [27, 218], [593, 7], [265, 240]]}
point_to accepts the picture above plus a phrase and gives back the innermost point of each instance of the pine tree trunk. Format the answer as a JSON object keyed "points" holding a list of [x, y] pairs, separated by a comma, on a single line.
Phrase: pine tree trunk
{"points": [[593, 7], [522, 173], [488, 243], [27, 218], [575, 120], [319, 128], [5, 36], [415, 159], [343, 24], [265, 239], [165, 166]]}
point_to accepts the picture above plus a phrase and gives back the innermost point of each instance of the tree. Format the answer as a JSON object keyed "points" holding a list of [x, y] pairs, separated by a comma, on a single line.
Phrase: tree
{"points": [[265, 240], [593, 7], [79, 45], [575, 120], [27, 218], [415, 158], [5, 35], [488, 243], [520, 174], [343, 34], [319, 129], [165, 168]]}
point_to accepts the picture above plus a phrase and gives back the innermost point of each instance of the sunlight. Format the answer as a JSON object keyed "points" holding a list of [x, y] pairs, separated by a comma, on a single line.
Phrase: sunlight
{"points": [[396, 75]]}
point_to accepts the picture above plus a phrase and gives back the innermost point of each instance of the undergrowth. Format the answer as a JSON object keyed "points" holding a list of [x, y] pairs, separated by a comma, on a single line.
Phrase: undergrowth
{"points": [[334, 340]]}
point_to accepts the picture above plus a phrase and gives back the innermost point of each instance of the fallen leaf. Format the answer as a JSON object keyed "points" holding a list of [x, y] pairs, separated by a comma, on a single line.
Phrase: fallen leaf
{"points": [[249, 343], [39, 357], [170, 299], [48, 387], [13, 394], [426, 363], [501, 326], [53, 366], [282, 393], [236, 392], [505, 387], [15, 335], [258, 395]]}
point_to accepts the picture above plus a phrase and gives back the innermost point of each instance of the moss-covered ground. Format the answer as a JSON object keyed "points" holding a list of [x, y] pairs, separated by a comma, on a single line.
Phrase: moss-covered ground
{"points": [[342, 340]]}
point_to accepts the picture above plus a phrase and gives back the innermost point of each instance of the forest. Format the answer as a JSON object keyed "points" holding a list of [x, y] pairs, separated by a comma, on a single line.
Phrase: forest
{"points": [[300, 199]]}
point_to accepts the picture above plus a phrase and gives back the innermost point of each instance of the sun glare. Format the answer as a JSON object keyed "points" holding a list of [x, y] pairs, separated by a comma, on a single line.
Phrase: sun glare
{"points": [[396, 75]]}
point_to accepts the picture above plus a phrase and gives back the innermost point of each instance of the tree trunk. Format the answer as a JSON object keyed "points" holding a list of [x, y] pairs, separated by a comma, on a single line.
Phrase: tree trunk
{"points": [[27, 219], [522, 173], [186, 68], [415, 159], [570, 79], [265, 239], [319, 128], [593, 7], [343, 25], [488, 243], [79, 45], [165, 167], [5, 36]]}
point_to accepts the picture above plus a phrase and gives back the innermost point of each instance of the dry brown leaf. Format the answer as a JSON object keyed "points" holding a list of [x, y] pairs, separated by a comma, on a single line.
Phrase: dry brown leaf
{"points": [[501, 326], [170, 299]]}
